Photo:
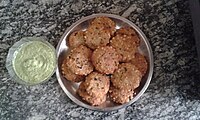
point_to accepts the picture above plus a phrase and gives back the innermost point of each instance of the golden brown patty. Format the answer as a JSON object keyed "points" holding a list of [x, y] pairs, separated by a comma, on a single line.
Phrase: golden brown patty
{"points": [[140, 62], [68, 74], [90, 99], [96, 36], [129, 32], [76, 39], [97, 84], [120, 95], [105, 59], [125, 46], [79, 60], [126, 31], [127, 76], [106, 23]]}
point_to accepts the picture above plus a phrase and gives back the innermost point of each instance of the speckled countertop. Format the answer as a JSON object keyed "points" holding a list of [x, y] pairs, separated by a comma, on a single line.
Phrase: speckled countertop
{"points": [[174, 92]]}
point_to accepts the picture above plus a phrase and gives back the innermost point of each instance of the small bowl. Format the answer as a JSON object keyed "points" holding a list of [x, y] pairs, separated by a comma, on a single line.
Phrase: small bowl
{"points": [[70, 87], [12, 54]]}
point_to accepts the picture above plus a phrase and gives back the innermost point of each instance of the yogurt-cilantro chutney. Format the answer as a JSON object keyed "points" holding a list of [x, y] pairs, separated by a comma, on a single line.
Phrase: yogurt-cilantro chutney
{"points": [[34, 62]]}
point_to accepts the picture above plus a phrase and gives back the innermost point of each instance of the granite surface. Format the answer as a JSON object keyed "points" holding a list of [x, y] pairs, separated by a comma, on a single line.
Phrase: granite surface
{"points": [[174, 92]]}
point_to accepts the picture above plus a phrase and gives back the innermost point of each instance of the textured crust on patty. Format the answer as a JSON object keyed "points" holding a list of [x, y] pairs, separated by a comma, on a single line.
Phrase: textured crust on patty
{"points": [[140, 62], [125, 46], [126, 31], [76, 39], [106, 23], [129, 32], [105, 59], [79, 60], [97, 84], [96, 36], [120, 95], [90, 99], [99, 32], [127, 76], [68, 74]]}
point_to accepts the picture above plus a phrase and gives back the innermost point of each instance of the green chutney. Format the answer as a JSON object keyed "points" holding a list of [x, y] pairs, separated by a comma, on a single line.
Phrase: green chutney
{"points": [[34, 62]]}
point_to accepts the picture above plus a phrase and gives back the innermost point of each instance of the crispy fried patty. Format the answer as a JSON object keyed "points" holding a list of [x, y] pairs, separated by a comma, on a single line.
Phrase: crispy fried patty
{"points": [[105, 59], [68, 74], [90, 99], [76, 39], [127, 76], [97, 83], [79, 60]]}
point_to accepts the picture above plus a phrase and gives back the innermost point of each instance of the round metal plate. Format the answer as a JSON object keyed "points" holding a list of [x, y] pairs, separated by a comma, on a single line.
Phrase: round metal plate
{"points": [[70, 87]]}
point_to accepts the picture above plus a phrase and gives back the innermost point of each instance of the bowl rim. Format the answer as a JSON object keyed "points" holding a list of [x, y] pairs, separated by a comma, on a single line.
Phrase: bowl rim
{"points": [[142, 35]]}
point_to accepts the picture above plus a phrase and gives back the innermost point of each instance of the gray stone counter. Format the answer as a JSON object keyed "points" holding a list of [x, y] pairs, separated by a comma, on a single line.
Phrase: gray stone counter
{"points": [[174, 92]]}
